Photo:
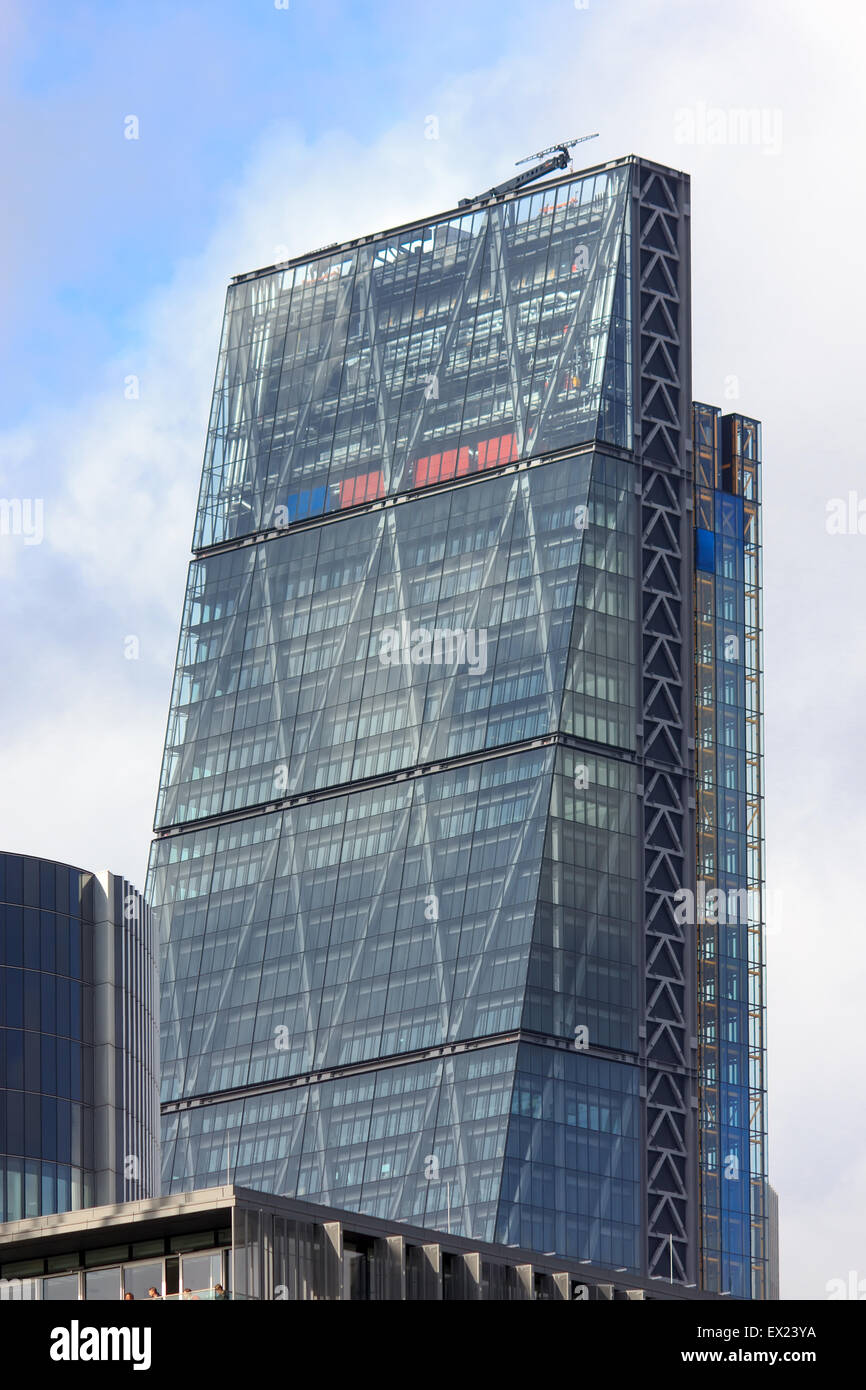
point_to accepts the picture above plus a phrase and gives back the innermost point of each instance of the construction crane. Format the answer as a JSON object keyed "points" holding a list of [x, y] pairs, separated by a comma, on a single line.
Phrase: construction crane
{"points": [[560, 160]]}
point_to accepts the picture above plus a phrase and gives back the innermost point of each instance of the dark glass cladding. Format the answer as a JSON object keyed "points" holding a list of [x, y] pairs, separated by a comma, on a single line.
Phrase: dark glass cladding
{"points": [[513, 1143], [299, 667], [78, 1040], [45, 1040], [398, 918], [442, 351]]}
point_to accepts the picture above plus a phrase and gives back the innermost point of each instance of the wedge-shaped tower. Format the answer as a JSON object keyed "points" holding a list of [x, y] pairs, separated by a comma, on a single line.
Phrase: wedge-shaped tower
{"points": [[428, 786]]}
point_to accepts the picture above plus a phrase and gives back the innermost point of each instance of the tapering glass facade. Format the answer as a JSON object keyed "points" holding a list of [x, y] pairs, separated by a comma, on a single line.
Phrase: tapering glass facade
{"points": [[423, 782], [432, 353]]}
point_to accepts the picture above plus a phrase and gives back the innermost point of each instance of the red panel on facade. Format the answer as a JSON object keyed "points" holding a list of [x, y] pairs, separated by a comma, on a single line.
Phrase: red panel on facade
{"points": [[449, 464], [457, 462], [363, 488]]}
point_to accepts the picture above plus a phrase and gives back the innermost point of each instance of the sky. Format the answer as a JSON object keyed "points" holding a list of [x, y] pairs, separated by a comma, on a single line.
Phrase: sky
{"points": [[261, 130]]}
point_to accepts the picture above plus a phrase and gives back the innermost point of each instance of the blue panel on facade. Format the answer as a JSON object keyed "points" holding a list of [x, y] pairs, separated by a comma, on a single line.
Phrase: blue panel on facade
{"points": [[705, 550]]}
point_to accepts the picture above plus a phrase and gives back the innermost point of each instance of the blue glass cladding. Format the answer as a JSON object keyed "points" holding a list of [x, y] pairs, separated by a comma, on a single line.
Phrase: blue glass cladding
{"points": [[705, 550], [572, 1168], [728, 784], [283, 683], [583, 968], [423, 1142], [518, 1144], [45, 1116], [361, 926], [614, 420], [368, 925], [732, 878]]}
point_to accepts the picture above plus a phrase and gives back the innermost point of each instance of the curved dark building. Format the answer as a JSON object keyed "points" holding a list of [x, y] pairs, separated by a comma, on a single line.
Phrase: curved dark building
{"points": [[79, 1040]]}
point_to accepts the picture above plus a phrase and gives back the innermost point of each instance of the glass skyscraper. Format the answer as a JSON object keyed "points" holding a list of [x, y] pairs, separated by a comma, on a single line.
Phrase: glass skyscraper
{"points": [[728, 638], [79, 1040], [428, 791]]}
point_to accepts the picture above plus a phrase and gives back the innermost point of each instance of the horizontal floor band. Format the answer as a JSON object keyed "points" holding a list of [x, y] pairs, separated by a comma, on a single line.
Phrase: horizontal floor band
{"points": [[396, 499], [484, 755], [402, 1059]]}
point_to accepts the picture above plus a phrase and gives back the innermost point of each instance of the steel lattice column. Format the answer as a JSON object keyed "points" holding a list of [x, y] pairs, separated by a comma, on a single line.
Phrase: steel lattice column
{"points": [[662, 394]]}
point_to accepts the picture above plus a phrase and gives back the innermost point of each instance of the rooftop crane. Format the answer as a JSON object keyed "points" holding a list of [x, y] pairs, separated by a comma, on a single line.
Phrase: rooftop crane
{"points": [[560, 160]]}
